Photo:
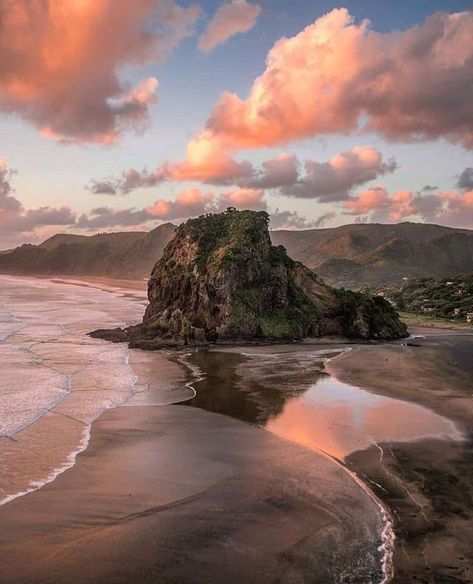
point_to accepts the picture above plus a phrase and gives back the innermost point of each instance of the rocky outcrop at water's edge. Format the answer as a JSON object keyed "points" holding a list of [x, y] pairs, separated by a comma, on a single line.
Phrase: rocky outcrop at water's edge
{"points": [[221, 279]]}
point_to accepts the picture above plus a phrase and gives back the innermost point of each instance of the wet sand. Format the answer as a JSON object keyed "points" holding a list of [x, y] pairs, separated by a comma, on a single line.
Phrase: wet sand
{"points": [[177, 494], [428, 485], [55, 380], [101, 282], [286, 390]]}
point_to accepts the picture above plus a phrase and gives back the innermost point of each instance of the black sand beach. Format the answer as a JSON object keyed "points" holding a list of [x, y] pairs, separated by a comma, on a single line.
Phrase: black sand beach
{"points": [[177, 494], [428, 485], [172, 493]]}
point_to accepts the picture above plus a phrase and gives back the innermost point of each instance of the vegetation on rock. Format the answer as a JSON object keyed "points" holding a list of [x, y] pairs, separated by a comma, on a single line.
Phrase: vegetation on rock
{"points": [[221, 277]]}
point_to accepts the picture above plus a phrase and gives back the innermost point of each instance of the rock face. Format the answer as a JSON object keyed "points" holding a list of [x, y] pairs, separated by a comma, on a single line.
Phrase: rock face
{"points": [[220, 278]]}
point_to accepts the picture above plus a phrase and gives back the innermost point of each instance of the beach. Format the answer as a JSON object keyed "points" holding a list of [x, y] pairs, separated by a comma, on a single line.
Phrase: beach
{"points": [[178, 494], [323, 463], [128, 488], [428, 485]]}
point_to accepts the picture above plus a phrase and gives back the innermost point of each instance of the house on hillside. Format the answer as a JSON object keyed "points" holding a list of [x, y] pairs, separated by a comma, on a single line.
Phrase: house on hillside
{"points": [[469, 317]]}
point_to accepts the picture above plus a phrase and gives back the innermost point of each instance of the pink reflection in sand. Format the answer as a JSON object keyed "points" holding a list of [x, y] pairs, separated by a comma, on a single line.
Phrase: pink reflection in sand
{"points": [[339, 419]]}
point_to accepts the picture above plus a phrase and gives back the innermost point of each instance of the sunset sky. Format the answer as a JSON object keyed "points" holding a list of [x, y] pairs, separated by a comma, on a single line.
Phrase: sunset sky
{"points": [[119, 115]]}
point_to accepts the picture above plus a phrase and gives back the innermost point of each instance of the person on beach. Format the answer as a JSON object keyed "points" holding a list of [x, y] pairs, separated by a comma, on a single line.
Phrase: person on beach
{"points": [[187, 331]]}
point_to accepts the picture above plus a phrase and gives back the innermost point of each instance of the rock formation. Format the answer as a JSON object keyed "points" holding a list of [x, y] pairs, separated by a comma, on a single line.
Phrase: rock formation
{"points": [[220, 278]]}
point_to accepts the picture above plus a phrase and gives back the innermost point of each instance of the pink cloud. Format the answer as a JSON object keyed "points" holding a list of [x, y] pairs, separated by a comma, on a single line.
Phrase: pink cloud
{"points": [[211, 163], [243, 199], [444, 207], [208, 161], [336, 75], [187, 203], [59, 63], [333, 180], [231, 18], [15, 219], [368, 201]]}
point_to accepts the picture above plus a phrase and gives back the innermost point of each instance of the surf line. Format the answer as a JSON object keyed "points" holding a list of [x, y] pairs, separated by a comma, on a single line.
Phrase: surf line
{"points": [[388, 537]]}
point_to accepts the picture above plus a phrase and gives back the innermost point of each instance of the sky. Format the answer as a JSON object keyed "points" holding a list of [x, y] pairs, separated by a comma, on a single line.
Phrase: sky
{"points": [[118, 115]]}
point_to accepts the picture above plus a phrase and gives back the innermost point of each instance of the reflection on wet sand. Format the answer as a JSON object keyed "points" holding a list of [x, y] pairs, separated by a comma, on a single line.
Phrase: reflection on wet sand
{"points": [[291, 396], [180, 495]]}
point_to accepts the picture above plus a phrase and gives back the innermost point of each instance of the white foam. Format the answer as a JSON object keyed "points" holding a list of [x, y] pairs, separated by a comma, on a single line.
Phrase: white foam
{"points": [[50, 366], [330, 393], [68, 463]]}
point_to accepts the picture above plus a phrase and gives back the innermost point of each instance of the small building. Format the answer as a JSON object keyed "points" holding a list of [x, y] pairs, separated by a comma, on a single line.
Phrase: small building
{"points": [[469, 317], [428, 309], [456, 312]]}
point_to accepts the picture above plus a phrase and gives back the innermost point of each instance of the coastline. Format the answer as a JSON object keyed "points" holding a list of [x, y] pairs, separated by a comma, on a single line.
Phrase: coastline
{"points": [[372, 469], [222, 496], [427, 484], [59, 413], [147, 368], [387, 534]]}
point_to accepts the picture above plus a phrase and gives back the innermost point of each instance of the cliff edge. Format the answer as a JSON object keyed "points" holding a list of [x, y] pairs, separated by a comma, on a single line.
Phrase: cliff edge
{"points": [[221, 279]]}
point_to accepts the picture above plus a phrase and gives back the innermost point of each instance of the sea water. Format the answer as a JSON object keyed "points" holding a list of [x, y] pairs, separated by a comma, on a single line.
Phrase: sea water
{"points": [[54, 379]]}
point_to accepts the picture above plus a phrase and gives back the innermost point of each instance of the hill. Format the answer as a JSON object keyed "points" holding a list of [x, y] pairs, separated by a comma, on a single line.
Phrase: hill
{"points": [[359, 255], [450, 298], [128, 255], [220, 277], [351, 256]]}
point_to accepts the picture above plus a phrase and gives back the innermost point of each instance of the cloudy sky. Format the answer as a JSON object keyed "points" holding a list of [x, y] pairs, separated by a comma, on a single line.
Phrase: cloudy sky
{"points": [[119, 115]]}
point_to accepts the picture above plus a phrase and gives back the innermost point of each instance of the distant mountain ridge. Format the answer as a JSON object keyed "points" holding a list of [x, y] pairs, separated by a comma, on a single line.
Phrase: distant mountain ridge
{"points": [[350, 256], [358, 255], [127, 255]]}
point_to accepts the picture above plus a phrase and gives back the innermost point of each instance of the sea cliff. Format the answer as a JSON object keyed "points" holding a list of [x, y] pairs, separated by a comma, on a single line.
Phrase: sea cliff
{"points": [[220, 279]]}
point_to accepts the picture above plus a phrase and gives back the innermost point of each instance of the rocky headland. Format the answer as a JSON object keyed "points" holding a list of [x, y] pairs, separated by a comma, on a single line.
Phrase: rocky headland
{"points": [[221, 279]]}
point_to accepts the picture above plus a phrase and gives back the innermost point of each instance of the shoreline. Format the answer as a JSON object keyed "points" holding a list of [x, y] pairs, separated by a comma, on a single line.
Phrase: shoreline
{"points": [[333, 366], [117, 438], [68, 463], [151, 368], [387, 535], [26, 431], [427, 484]]}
